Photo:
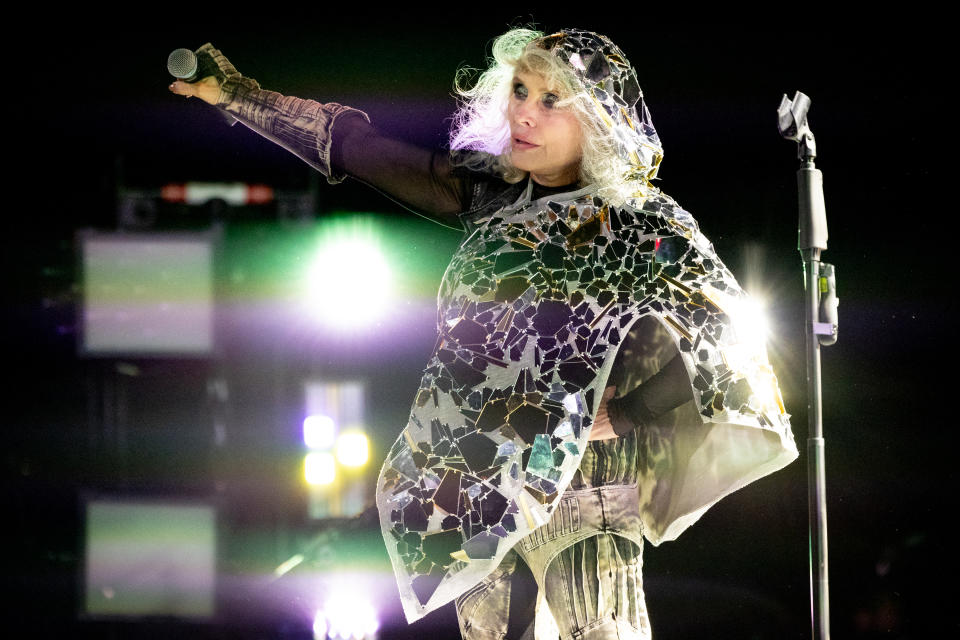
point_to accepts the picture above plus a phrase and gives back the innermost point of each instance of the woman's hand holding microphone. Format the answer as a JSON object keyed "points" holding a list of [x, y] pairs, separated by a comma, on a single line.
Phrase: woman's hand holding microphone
{"points": [[200, 74]]}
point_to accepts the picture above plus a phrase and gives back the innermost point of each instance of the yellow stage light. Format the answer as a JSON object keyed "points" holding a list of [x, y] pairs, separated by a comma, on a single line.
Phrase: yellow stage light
{"points": [[353, 449], [319, 468]]}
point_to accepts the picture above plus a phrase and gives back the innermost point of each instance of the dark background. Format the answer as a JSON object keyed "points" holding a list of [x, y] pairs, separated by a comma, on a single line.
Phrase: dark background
{"points": [[92, 120]]}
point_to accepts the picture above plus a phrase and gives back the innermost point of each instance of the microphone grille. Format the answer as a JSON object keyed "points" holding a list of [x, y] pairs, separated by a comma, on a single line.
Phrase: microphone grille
{"points": [[182, 63]]}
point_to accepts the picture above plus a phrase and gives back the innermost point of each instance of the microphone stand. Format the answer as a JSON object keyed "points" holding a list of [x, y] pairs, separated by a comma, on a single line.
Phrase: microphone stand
{"points": [[820, 327]]}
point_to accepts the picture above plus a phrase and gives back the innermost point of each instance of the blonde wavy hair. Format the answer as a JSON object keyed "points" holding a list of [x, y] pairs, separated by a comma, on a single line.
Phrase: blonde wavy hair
{"points": [[481, 124]]}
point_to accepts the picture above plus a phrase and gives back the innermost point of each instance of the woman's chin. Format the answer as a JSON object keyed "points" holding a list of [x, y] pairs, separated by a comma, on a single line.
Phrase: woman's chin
{"points": [[518, 161]]}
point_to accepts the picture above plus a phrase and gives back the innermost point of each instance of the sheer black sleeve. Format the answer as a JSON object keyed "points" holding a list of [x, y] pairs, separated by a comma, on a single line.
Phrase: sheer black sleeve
{"points": [[422, 180], [666, 390]]}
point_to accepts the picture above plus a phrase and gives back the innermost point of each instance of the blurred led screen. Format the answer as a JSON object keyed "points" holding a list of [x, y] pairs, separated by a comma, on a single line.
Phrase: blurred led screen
{"points": [[147, 294], [149, 559]]}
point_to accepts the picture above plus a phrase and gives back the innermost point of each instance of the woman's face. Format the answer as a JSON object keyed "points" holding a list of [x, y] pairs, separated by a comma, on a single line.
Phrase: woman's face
{"points": [[545, 140]]}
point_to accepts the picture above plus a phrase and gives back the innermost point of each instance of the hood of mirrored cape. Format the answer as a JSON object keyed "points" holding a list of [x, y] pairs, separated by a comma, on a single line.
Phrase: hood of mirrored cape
{"points": [[533, 309], [607, 76]]}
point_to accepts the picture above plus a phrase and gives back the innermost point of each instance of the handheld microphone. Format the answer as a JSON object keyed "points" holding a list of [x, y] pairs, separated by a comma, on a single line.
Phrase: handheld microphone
{"points": [[185, 65], [182, 64]]}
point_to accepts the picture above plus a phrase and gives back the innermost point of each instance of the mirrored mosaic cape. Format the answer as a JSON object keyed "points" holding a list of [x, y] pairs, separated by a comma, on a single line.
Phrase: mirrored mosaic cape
{"points": [[535, 305]]}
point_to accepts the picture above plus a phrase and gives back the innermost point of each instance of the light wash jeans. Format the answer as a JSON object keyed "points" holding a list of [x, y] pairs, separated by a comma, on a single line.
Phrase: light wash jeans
{"points": [[586, 561]]}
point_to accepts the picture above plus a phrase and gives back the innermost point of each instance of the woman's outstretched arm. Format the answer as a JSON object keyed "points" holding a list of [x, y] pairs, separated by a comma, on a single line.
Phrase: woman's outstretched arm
{"points": [[336, 141]]}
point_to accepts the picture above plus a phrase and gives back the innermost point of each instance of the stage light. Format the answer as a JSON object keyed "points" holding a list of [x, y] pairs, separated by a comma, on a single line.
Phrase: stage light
{"points": [[750, 322], [319, 432], [765, 388], [747, 352], [149, 557], [237, 194], [353, 449], [319, 468], [346, 616], [147, 294], [320, 626], [336, 413], [349, 281], [753, 329]]}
